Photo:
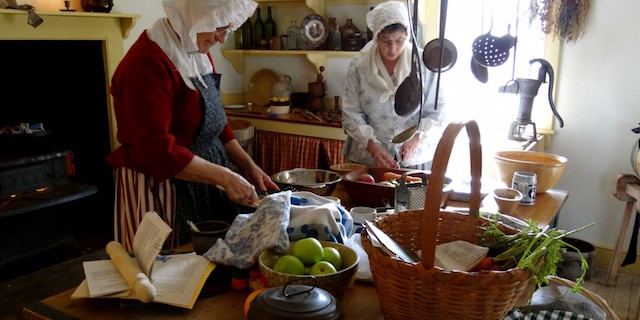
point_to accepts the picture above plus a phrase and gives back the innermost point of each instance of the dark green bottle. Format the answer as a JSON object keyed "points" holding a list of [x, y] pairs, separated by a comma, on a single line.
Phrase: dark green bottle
{"points": [[258, 31], [269, 26], [246, 35]]}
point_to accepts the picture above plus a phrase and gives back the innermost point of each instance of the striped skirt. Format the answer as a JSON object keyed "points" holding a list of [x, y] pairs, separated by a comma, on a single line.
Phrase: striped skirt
{"points": [[137, 194]]}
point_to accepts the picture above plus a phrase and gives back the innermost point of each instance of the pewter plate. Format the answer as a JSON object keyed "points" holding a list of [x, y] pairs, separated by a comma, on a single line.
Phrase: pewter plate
{"points": [[314, 31]]}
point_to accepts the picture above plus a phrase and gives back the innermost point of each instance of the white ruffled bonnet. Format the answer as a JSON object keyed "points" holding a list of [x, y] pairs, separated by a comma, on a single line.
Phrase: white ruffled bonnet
{"points": [[188, 17], [387, 13]]}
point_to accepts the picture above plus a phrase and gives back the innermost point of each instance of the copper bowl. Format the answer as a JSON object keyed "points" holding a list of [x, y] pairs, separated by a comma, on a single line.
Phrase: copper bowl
{"points": [[376, 194]]}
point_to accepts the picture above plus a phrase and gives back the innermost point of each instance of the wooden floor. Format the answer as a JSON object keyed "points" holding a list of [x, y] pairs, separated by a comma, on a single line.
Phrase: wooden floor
{"points": [[622, 298]]}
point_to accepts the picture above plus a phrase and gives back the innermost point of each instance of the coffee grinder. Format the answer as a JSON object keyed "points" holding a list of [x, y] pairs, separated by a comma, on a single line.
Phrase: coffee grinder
{"points": [[528, 89]]}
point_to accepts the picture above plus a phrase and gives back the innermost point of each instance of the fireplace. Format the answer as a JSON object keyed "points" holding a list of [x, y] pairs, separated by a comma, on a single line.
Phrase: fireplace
{"points": [[58, 74]]}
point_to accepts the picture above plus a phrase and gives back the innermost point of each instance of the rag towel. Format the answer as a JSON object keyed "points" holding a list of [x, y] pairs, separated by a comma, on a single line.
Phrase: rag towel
{"points": [[280, 218]]}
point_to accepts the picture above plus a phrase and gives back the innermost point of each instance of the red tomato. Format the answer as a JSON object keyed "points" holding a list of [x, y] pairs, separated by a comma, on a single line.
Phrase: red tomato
{"points": [[366, 178]]}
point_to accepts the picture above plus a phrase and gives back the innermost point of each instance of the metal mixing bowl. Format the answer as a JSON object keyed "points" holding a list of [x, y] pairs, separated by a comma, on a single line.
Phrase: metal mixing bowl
{"points": [[320, 182]]}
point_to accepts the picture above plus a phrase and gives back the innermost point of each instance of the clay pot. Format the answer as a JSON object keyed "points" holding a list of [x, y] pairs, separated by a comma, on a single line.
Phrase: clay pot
{"points": [[97, 5]]}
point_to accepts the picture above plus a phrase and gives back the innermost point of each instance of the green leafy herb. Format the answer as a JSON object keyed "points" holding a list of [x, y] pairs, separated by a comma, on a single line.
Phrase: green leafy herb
{"points": [[532, 248]]}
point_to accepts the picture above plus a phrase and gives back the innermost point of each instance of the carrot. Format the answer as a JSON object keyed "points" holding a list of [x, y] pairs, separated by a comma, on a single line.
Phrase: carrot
{"points": [[485, 264], [389, 175]]}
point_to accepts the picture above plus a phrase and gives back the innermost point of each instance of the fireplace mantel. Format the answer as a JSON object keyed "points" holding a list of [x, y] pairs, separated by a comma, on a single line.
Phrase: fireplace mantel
{"points": [[109, 28]]}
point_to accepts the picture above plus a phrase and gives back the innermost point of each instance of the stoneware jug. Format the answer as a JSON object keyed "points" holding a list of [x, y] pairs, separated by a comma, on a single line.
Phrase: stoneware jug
{"points": [[282, 87]]}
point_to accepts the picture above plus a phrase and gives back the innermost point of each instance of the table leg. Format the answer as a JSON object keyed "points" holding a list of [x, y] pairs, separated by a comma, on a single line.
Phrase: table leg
{"points": [[612, 274]]}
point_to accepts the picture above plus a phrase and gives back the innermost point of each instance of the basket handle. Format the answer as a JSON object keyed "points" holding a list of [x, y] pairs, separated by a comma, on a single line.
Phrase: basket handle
{"points": [[431, 211]]}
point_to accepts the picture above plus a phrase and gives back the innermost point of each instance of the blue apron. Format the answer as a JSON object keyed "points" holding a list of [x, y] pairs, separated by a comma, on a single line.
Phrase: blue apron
{"points": [[197, 201]]}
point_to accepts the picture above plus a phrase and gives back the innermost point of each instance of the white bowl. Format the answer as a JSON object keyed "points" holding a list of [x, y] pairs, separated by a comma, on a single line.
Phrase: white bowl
{"points": [[278, 109]]}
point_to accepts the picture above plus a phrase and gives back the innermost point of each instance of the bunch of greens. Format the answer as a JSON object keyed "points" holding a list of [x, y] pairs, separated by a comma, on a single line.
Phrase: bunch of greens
{"points": [[532, 248]]}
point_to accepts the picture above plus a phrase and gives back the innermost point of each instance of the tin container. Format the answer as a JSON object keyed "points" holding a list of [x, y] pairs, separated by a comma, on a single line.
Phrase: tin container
{"points": [[526, 183]]}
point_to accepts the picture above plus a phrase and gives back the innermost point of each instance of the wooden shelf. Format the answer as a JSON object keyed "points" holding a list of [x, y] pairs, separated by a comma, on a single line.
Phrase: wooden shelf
{"points": [[316, 57], [126, 20]]}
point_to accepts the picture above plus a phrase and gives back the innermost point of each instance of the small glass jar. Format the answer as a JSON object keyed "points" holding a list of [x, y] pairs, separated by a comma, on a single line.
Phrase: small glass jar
{"points": [[294, 40]]}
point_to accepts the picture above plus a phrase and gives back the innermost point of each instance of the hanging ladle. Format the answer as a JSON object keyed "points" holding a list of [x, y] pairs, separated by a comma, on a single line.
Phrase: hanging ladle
{"points": [[411, 131]]}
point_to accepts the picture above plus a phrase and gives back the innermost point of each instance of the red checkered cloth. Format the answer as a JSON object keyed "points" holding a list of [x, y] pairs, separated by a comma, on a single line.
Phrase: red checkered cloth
{"points": [[275, 152]]}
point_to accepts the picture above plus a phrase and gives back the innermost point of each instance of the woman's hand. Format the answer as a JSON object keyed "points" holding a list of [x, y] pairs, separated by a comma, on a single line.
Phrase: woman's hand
{"points": [[238, 189], [408, 149], [260, 179], [249, 169], [380, 156]]}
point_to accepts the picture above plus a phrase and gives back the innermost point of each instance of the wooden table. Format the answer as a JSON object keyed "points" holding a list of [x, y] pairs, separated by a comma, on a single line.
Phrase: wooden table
{"points": [[545, 210], [359, 302]]}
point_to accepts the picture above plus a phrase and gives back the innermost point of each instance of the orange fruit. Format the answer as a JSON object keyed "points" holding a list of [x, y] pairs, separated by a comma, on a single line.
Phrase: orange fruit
{"points": [[247, 302]]}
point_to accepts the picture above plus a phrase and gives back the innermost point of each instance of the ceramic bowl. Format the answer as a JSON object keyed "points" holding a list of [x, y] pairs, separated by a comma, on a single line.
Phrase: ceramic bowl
{"points": [[507, 199], [547, 167], [320, 182], [336, 284], [344, 168], [209, 232]]}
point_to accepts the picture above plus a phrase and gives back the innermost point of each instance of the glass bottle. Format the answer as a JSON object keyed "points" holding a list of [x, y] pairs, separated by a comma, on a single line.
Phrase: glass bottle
{"points": [[332, 25], [293, 36], [337, 40], [258, 27], [243, 35], [369, 31], [269, 26], [347, 33]]}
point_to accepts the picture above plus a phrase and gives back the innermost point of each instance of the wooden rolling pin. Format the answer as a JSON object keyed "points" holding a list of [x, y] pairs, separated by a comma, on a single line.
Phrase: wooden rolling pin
{"points": [[136, 279]]}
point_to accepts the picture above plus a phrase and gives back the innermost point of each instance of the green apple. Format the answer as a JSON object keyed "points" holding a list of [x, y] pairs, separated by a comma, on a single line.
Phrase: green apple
{"points": [[332, 255], [322, 268], [289, 264], [308, 250]]}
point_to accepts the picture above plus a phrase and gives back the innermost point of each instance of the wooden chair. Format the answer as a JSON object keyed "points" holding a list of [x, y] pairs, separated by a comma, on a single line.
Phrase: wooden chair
{"points": [[626, 187]]}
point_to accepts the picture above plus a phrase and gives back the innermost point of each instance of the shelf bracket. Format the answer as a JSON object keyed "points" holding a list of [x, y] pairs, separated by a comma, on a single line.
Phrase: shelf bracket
{"points": [[236, 58], [318, 59]]}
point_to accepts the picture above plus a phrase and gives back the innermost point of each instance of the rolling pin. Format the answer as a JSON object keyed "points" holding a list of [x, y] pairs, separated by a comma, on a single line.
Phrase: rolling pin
{"points": [[136, 279]]}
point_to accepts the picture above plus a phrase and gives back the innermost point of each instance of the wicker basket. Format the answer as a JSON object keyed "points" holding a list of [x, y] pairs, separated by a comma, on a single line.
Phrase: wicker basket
{"points": [[423, 291]]}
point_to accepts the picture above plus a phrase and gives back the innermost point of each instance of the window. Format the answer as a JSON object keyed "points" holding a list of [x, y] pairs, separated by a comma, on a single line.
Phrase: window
{"points": [[468, 98]]}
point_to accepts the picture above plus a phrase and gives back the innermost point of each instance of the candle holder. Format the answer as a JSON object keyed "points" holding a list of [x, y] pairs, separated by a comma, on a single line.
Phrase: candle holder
{"points": [[67, 5]]}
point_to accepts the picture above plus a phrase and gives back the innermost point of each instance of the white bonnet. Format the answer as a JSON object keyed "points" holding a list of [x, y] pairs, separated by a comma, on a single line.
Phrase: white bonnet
{"points": [[188, 17], [387, 13]]}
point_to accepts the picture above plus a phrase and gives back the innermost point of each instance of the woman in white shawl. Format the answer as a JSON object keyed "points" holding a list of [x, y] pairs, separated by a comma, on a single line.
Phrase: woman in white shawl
{"points": [[369, 117]]}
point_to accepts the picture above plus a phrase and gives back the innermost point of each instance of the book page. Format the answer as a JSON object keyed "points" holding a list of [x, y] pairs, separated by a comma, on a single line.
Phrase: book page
{"points": [[148, 240], [103, 278], [459, 255], [178, 279]]}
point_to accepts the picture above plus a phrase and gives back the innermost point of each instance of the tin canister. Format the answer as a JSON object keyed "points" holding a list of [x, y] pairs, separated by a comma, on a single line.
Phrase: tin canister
{"points": [[526, 183]]}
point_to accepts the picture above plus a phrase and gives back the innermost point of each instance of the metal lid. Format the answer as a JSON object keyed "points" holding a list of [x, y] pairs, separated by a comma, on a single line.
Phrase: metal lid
{"points": [[294, 302]]}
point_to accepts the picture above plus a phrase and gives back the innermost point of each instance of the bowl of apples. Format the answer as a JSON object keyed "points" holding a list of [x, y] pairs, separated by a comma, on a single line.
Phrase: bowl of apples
{"points": [[329, 265]]}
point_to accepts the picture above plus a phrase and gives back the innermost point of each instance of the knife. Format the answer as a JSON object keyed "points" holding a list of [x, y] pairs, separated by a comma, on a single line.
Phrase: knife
{"points": [[313, 115], [390, 244]]}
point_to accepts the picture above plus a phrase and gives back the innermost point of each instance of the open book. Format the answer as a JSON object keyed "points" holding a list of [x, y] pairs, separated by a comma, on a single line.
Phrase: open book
{"points": [[147, 276], [459, 255]]}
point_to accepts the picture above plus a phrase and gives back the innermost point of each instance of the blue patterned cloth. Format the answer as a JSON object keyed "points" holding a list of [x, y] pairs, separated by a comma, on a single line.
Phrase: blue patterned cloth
{"points": [[280, 218]]}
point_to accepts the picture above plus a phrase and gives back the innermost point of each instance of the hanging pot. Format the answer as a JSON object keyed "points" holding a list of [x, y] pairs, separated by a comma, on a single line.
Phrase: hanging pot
{"points": [[479, 71], [409, 94]]}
